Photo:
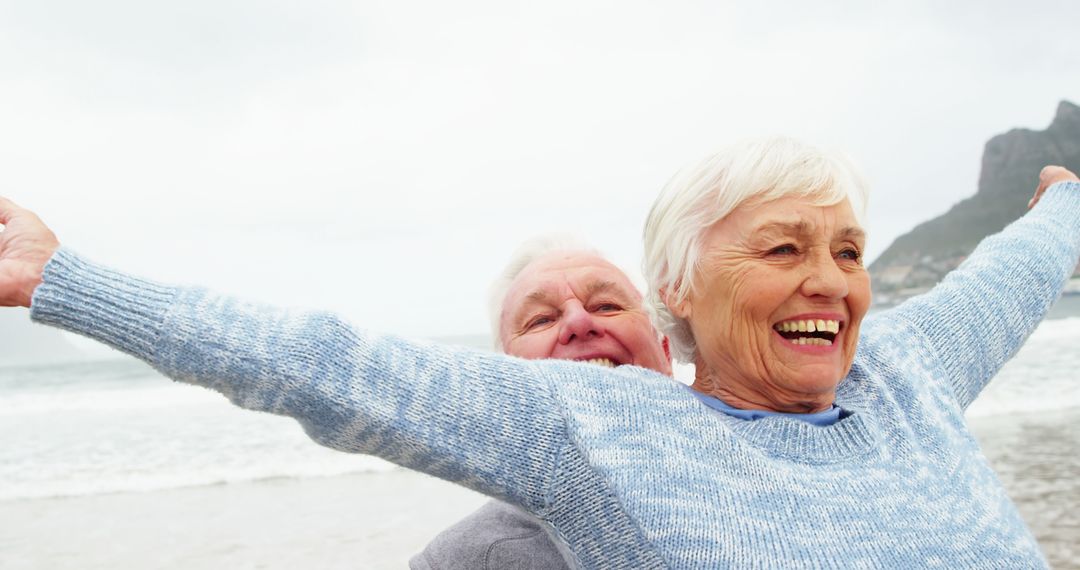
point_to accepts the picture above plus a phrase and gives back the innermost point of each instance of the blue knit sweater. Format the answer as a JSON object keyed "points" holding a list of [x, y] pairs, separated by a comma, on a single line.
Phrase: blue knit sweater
{"points": [[628, 467]]}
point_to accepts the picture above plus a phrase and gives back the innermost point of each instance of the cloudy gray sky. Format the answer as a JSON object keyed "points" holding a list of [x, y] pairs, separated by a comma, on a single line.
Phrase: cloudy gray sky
{"points": [[382, 159]]}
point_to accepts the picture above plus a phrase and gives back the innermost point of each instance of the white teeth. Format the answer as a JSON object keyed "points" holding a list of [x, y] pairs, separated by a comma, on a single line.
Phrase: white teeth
{"points": [[812, 325], [601, 362]]}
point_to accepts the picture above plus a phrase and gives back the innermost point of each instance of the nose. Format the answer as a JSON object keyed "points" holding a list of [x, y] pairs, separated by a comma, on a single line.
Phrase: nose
{"points": [[825, 278], [577, 323]]}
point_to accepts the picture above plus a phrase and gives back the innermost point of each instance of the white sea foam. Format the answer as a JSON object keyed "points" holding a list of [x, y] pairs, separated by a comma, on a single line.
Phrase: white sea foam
{"points": [[161, 395], [99, 480], [1044, 375], [96, 434]]}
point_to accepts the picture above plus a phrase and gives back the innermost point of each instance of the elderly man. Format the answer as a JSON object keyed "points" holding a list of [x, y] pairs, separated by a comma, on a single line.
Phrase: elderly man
{"points": [[557, 298]]}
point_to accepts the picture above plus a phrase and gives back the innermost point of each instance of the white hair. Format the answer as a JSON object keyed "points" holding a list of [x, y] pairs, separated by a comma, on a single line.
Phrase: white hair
{"points": [[701, 194], [529, 251]]}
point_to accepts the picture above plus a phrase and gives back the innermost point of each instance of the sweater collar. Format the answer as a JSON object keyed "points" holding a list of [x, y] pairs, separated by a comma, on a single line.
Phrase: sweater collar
{"points": [[823, 418], [856, 434]]}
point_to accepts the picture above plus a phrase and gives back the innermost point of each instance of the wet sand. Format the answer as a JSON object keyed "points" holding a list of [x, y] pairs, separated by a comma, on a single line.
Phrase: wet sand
{"points": [[372, 520], [1037, 458]]}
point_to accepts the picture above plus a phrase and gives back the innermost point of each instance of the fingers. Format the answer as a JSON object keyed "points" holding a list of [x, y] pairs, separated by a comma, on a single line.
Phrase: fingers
{"points": [[1035, 199], [7, 209], [1049, 176]]}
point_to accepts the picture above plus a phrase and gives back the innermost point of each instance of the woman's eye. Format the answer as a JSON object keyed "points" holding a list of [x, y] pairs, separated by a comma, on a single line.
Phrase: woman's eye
{"points": [[851, 254], [786, 249]]}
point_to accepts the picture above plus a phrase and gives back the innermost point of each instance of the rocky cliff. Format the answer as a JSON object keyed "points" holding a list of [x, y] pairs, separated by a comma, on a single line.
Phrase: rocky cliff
{"points": [[1011, 162]]}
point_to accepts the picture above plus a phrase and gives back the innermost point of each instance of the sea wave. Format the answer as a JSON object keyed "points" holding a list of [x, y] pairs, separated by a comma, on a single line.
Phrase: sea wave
{"points": [[159, 480], [155, 435], [1043, 376], [121, 399]]}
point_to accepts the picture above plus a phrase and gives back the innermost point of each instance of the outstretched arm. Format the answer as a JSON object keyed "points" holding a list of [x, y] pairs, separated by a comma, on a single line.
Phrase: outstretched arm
{"points": [[977, 318], [485, 421]]}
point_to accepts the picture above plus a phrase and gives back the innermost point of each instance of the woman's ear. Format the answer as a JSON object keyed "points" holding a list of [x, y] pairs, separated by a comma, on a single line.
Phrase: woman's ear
{"points": [[683, 309]]}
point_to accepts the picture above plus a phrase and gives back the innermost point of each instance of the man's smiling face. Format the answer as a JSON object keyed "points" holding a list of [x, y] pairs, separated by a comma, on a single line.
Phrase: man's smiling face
{"points": [[578, 306]]}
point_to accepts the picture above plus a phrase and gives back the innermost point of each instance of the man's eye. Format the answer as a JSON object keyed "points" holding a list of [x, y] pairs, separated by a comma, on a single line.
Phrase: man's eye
{"points": [[538, 322], [786, 249], [607, 308]]}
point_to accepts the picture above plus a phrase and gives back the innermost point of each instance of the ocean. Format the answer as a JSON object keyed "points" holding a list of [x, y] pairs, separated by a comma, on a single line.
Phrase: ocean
{"points": [[89, 429]]}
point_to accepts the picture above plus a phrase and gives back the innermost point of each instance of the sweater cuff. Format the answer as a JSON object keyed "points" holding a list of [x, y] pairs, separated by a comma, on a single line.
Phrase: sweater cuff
{"points": [[121, 311], [1063, 199]]}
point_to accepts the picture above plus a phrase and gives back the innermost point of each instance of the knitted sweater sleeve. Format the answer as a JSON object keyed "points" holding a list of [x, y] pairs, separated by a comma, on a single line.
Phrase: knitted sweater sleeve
{"points": [[485, 421], [977, 318]]}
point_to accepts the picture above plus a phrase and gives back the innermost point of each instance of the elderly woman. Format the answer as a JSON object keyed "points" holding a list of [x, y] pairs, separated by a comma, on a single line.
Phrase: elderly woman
{"points": [[809, 439]]}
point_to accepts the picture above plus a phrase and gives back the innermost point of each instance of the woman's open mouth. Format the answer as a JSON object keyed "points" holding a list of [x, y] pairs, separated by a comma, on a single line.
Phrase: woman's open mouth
{"points": [[813, 332]]}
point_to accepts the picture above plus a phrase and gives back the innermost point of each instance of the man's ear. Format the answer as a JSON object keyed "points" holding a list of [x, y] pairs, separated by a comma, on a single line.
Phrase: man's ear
{"points": [[667, 348], [683, 309]]}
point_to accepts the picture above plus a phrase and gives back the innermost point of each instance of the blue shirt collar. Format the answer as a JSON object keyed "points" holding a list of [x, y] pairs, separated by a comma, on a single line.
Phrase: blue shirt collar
{"points": [[825, 418]]}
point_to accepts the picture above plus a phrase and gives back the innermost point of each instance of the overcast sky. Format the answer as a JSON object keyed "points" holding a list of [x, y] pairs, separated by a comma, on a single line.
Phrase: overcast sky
{"points": [[382, 159]]}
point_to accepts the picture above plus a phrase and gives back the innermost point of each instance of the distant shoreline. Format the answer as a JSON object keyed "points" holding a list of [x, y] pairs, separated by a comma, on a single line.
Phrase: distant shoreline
{"points": [[1067, 306]]}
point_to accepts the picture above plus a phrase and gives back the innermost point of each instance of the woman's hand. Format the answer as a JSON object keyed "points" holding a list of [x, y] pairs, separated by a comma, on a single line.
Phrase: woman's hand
{"points": [[1049, 176], [26, 245]]}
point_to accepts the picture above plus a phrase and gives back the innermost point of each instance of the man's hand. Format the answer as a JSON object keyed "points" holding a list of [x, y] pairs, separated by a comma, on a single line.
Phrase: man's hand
{"points": [[26, 245], [1049, 176]]}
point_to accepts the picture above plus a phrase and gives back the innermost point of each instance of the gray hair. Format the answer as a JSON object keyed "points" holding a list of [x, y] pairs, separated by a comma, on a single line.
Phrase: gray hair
{"points": [[703, 193], [529, 251]]}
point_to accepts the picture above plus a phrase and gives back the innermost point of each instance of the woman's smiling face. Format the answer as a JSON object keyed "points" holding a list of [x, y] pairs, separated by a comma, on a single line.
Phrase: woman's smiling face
{"points": [[776, 303]]}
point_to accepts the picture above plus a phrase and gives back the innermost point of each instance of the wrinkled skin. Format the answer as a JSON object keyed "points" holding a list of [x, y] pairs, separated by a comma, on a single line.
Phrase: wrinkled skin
{"points": [[763, 265], [26, 245], [578, 306]]}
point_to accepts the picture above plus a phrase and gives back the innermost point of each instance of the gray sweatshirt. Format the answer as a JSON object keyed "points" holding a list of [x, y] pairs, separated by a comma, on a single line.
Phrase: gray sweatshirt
{"points": [[496, 536]]}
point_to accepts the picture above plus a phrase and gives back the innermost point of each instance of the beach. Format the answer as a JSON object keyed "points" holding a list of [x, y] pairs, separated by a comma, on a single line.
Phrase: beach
{"points": [[1037, 458], [369, 520], [379, 520]]}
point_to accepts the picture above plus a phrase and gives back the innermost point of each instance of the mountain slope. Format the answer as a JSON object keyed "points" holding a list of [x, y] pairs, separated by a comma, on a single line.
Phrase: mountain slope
{"points": [[1011, 162]]}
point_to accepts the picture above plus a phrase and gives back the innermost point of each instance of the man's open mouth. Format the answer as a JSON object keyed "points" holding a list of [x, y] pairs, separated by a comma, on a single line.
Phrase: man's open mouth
{"points": [[606, 362], [815, 332]]}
